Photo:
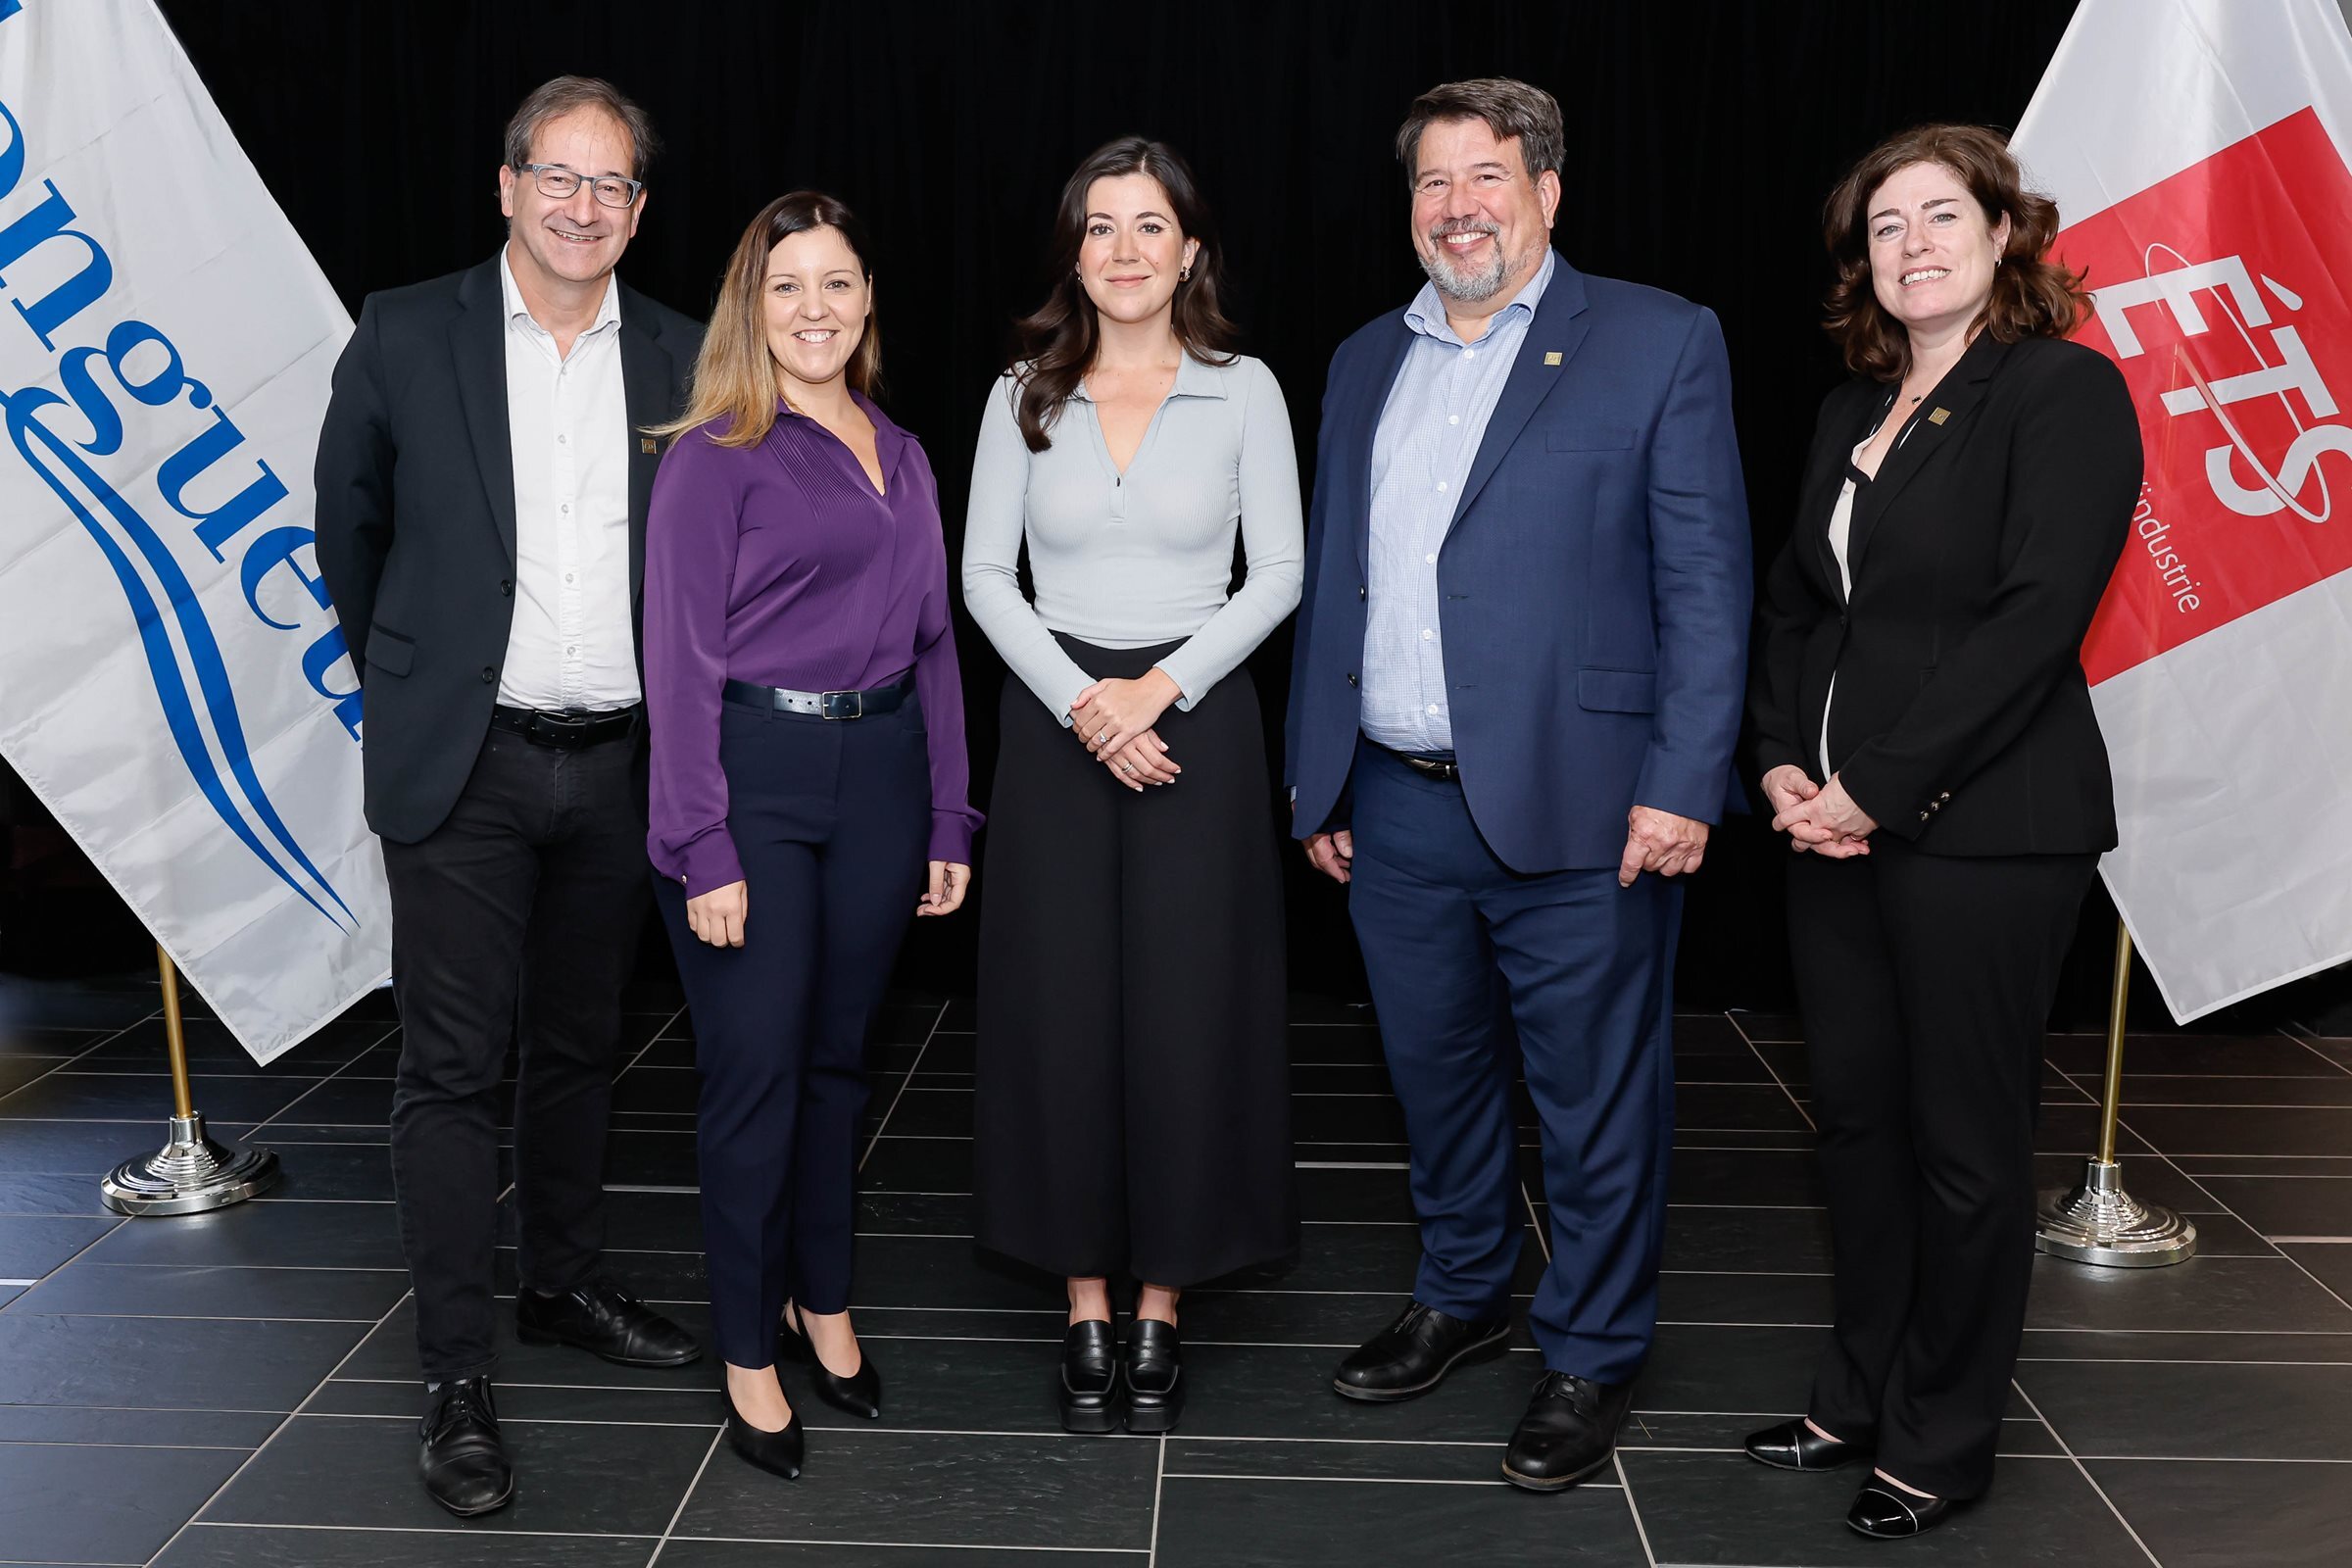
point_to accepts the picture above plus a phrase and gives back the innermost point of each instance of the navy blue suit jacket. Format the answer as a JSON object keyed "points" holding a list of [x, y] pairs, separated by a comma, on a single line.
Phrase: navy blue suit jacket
{"points": [[1594, 584]]}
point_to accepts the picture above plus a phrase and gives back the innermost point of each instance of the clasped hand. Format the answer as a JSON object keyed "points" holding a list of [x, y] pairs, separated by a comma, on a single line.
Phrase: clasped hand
{"points": [[1114, 720], [1818, 817]]}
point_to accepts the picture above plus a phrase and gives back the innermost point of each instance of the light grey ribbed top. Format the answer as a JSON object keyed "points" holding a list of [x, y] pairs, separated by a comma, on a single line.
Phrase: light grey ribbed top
{"points": [[1144, 559]]}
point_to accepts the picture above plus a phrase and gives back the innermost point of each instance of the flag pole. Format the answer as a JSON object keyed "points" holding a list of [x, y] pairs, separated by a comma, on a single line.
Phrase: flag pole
{"points": [[2095, 1222], [192, 1173]]}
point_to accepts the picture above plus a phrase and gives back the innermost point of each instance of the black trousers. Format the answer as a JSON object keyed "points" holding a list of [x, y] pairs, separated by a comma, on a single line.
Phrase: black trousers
{"points": [[1926, 983], [516, 920], [1133, 1100], [831, 820]]}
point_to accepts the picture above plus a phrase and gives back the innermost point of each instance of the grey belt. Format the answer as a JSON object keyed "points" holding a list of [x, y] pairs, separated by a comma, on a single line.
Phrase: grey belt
{"points": [[821, 704]]}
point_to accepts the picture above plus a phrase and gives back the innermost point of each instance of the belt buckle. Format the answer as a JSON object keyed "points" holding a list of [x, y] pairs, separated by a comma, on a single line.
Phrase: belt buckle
{"points": [[831, 704], [557, 729]]}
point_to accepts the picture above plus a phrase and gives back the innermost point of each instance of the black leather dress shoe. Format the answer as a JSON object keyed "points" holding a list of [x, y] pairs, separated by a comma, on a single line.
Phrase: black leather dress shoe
{"points": [[600, 1318], [1890, 1513], [1090, 1379], [1795, 1445], [1412, 1356], [1154, 1373], [1569, 1431], [779, 1453], [859, 1394], [465, 1459]]}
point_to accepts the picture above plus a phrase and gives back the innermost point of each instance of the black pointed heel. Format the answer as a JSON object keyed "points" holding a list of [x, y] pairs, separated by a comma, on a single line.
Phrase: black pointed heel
{"points": [[859, 1394], [1090, 1379], [1154, 1373], [779, 1453]]}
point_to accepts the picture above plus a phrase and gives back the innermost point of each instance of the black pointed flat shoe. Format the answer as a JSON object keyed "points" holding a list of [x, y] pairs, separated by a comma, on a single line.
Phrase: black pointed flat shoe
{"points": [[1795, 1445], [779, 1453], [1154, 1373], [1090, 1379], [1889, 1513], [859, 1394]]}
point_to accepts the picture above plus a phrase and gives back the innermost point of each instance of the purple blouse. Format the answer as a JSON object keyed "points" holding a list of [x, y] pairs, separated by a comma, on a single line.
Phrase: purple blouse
{"points": [[778, 565]]}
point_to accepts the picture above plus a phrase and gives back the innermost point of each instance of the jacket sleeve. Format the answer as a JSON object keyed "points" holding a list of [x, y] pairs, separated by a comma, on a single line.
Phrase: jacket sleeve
{"points": [[353, 478], [2075, 471], [1700, 584], [1302, 643], [1791, 607]]}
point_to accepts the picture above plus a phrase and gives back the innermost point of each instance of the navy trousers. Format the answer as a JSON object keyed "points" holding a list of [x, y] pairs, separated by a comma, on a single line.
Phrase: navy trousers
{"points": [[831, 820], [1462, 952]]}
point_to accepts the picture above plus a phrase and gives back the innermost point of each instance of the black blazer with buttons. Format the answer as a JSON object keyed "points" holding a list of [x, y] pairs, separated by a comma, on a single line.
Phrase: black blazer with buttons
{"points": [[416, 481], [1962, 719]]}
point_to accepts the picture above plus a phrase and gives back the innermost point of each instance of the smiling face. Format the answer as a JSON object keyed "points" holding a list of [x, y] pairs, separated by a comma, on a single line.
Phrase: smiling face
{"points": [[576, 240], [816, 300], [1480, 222], [1133, 251], [1932, 255]]}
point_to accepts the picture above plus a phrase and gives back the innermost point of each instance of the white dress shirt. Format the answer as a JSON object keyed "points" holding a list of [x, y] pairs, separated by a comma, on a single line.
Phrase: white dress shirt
{"points": [[568, 423]]}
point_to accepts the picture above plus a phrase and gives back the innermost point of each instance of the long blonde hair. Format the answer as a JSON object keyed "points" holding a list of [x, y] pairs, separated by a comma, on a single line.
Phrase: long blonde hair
{"points": [[735, 376]]}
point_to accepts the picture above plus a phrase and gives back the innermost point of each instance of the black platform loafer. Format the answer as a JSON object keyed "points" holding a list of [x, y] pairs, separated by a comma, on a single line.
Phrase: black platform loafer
{"points": [[1795, 1445], [779, 1453], [606, 1321], [1412, 1356], [1155, 1374], [1889, 1513], [1089, 1378], [465, 1459], [1568, 1431], [859, 1394]]}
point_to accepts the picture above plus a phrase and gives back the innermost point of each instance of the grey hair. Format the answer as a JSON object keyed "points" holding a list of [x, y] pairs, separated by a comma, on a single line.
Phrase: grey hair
{"points": [[563, 95], [1510, 108]]}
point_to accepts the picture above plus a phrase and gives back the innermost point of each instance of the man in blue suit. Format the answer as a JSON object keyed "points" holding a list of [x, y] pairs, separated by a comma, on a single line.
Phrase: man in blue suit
{"points": [[1517, 689]]}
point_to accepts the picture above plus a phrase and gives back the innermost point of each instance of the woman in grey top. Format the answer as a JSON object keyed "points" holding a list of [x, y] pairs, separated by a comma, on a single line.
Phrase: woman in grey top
{"points": [[1133, 1092]]}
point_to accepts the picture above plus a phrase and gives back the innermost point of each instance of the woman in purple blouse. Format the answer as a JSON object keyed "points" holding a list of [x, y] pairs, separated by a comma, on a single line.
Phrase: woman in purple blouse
{"points": [[807, 747]]}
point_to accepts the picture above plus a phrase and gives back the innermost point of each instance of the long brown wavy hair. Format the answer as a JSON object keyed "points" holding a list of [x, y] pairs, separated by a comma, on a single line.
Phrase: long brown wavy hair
{"points": [[1059, 339], [2032, 295], [735, 377]]}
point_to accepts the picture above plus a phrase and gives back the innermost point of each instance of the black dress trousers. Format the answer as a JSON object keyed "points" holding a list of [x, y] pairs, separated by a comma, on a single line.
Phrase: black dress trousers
{"points": [[1926, 982], [831, 820], [1133, 1088]]}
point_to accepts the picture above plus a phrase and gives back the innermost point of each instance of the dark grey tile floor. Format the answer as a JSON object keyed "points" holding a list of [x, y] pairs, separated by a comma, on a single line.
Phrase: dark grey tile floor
{"points": [[238, 1389]]}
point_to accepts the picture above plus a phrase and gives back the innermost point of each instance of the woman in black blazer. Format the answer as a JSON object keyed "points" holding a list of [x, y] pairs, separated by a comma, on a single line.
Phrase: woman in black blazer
{"points": [[1925, 735]]}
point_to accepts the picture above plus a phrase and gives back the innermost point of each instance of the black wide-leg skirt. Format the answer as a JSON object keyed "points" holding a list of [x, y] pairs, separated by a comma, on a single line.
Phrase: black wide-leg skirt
{"points": [[1133, 1091]]}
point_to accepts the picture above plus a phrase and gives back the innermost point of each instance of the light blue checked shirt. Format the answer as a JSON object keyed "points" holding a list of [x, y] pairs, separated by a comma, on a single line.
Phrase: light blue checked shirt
{"points": [[1428, 434]]}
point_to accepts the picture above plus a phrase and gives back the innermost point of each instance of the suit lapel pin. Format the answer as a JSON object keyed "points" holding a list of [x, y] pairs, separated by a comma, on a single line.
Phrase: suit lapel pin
{"points": [[1551, 356], [1939, 415], [648, 445]]}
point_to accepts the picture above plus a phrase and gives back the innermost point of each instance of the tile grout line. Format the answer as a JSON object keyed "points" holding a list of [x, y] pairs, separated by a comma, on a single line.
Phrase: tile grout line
{"points": [[1765, 1062], [2084, 1470], [659, 1035], [322, 1083], [2315, 1050], [914, 1067], [670, 1529], [1159, 1477], [67, 1061], [1635, 1508]]}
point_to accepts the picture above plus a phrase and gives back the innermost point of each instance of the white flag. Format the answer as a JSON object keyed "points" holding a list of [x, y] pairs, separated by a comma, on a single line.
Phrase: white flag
{"points": [[172, 683], [2196, 149]]}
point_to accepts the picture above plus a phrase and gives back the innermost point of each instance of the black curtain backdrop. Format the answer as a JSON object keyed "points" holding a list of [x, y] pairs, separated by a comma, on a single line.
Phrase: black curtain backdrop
{"points": [[1702, 141]]}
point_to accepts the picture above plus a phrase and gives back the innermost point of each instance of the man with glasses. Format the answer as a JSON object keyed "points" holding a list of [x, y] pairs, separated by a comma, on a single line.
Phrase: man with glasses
{"points": [[482, 483]]}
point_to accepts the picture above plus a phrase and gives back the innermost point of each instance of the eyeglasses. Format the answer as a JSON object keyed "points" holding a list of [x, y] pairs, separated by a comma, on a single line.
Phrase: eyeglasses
{"points": [[559, 184]]}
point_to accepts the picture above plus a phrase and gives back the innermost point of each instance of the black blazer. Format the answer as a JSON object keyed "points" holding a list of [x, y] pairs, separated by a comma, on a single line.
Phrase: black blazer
{"points": [[416, 481], [1979, 554]]}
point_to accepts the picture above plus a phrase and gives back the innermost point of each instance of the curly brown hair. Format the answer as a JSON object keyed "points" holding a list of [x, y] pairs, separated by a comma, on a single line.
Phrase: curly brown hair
{"points": [[2033, 296]]}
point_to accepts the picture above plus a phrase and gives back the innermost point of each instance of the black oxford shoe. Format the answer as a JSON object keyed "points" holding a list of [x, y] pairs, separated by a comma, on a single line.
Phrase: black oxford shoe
{"points": [[465, 1459], [1795, 1445], [1569, 1431], [1889, 1513], [1089, 1378], [1412, 1356], [606, 1321], [859, 1394], [1155, 1374]]}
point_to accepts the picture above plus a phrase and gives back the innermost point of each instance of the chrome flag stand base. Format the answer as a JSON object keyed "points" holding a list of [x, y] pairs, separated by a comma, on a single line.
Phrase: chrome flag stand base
{"points": [[2098, 1222], [189, 1175]]}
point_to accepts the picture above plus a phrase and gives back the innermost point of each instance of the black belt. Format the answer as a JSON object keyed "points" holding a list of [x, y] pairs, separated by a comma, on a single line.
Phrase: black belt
{"points": [[569, 731], [1445, 768], [821, 704]]}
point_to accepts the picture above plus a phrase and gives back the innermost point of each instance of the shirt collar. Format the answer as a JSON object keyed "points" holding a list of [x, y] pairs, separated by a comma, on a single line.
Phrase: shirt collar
{"points": [[608, 313], [1426, 316], [1194, 379]]}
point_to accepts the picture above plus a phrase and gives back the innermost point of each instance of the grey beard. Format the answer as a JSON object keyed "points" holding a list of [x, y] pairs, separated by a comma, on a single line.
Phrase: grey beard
{"points": [[1470, 289]]}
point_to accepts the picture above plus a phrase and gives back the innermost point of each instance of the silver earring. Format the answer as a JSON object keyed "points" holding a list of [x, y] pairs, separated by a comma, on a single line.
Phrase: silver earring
{"points": [[1183, 274]]}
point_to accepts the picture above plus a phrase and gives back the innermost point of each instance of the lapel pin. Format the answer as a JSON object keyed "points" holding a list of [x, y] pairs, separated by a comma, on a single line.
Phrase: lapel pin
{"points": [[1552, 357], [648, 445], [1939, 415]]}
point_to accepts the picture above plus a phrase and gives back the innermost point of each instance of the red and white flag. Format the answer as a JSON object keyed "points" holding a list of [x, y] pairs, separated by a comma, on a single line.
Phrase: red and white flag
{"points": [[2197, 150]]}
